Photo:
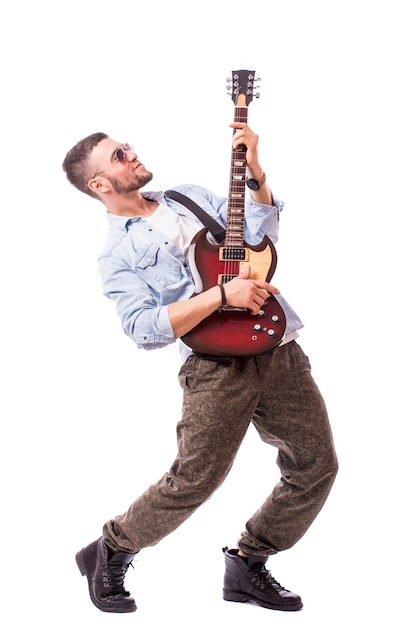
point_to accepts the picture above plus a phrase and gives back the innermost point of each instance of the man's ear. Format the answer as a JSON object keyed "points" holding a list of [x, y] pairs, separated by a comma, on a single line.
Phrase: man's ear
{"points": [[97, 186]]}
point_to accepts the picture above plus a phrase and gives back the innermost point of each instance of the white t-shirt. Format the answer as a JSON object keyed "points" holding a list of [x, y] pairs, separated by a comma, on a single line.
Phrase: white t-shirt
{"points": [[178, 228]]}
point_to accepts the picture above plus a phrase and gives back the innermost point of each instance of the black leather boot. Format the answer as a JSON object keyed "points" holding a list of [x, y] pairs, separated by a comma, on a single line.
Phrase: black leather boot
{"points": [[106, 577], [247, 580]]}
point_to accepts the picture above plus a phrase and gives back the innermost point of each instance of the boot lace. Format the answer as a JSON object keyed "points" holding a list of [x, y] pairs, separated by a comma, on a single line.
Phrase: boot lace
{"points": [[264, 580], [113, 580]]}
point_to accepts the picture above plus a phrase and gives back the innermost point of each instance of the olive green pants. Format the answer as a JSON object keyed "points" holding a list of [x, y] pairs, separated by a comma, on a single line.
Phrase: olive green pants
{"points": [[276, 392]]}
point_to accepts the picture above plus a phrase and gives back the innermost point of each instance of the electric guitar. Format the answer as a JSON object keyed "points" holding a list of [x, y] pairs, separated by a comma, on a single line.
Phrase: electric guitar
{"points": [[232, 331]]}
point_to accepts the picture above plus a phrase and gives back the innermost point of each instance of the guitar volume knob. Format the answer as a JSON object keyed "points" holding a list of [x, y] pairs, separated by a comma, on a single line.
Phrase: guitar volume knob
{"points": [[271, 332], [257, 327], [275, 319]]}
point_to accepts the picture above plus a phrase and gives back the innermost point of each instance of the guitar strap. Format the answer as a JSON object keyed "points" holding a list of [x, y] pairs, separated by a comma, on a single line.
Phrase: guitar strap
{"points": [[214, 227]]}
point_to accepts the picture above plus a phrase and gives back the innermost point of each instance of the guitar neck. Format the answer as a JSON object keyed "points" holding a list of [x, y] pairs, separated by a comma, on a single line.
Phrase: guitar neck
{"points": [[237, 187]]}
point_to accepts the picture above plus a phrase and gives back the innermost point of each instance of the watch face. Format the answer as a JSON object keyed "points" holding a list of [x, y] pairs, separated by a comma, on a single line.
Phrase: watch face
{"points": [[252, 184]]}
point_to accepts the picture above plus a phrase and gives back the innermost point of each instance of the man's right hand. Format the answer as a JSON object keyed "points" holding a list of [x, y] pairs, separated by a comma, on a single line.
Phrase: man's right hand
{"points": [[242, 291]]}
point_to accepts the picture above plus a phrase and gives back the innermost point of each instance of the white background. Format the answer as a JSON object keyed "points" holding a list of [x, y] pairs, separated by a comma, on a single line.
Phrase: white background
{"points": [[88, 420]]}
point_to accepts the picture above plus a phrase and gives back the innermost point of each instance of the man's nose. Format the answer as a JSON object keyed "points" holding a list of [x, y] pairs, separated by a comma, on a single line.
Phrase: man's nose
{"points": [[131, 155]]}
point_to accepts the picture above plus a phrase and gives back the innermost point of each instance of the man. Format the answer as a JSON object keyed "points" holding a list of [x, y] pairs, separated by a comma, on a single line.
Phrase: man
{"points": [[146, 271]]}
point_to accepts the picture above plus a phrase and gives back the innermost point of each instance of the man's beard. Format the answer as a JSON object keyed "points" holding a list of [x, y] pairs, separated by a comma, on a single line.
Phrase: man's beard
{"points": [[140, 182]]}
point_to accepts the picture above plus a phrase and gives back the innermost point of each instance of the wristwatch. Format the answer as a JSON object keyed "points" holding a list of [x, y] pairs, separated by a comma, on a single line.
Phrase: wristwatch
{"points": [[254, 184]]}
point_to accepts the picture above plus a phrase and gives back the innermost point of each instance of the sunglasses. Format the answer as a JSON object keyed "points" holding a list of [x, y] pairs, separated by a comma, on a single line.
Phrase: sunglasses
{"points": [[119, 156]]}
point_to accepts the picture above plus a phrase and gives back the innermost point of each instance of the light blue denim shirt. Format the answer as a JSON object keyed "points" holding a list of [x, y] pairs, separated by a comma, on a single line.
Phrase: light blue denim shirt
{"points": [[143, 271]]}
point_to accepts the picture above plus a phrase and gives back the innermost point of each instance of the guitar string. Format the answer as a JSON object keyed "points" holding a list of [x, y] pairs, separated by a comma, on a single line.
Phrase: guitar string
{"points": [[236, 187]]}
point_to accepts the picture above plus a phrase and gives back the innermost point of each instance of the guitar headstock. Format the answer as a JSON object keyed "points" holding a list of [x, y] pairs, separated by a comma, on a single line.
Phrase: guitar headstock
{"points": [[242, 87]]}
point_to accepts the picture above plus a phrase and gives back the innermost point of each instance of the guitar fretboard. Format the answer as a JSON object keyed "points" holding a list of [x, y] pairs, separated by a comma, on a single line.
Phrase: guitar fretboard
{"points": [[236, 200]]}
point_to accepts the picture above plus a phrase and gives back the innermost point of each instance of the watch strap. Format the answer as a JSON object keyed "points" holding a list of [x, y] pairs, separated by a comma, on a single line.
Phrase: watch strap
{"points": [[254, 184]]}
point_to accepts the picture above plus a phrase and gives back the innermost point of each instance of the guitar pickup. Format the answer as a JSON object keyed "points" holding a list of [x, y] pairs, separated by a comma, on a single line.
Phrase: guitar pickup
{"points": [[222, 279], [233, 254]]}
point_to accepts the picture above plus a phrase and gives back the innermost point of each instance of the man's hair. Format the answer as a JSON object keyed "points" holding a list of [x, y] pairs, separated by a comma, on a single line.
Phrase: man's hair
{"points": [[77, 166]]}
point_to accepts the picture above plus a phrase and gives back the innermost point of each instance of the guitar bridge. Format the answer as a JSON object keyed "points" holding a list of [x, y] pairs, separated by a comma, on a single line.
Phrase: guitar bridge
{"points": [[235, 309]]}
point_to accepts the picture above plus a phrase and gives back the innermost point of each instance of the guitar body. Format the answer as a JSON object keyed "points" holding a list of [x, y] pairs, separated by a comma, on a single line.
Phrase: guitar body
{"points": [[235, 332]]}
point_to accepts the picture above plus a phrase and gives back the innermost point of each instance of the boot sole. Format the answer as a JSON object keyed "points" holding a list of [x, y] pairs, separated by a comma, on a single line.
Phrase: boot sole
{"points": [[236, 596], [82, 566]]}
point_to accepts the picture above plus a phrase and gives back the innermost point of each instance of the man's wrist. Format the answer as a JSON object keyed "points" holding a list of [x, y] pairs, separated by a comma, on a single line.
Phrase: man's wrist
{"points": [[223, 293], [255, 184]]}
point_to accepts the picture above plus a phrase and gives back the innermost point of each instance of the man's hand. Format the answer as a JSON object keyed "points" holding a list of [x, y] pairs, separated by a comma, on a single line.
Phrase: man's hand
{"points": [[242, 291], [244, 135]]}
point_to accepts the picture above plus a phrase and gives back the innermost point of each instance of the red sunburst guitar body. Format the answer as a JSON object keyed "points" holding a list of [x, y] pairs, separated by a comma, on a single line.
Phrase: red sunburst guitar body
{"points": [[233, 331]]}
